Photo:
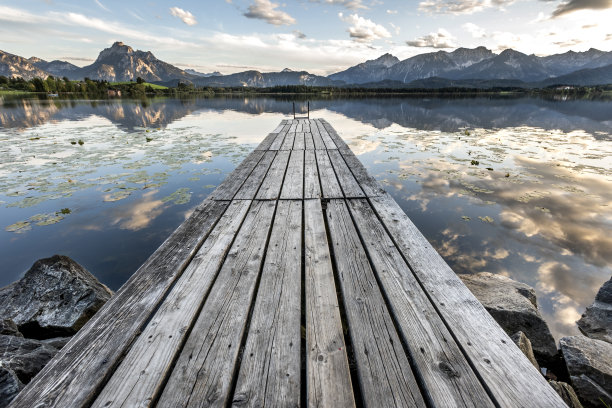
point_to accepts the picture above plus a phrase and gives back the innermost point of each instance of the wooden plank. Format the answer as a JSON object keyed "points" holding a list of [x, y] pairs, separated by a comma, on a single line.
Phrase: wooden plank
{"points": [[308, 142], [252, 183], [298, 144], [141, 374], [267, 142], [329, 143], [306, 126], [340, 143], [329, 183], [370, 186], [278, 142], [288, 143], [328, 376], [293, 126], [316, 136], [299, 126], [293, 186], [74, 375], [270, 368], [385, 376], [280, 127], [271, 186], [312, 187], [228, 188], [349, 185], [203, 373], [442, 367], [510, 377]]}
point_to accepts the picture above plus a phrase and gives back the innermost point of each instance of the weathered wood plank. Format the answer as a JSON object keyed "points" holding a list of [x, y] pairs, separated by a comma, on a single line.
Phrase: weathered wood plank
{"points": [[299, 126], [329, 143], [232, 183], [316, 136], [270, 187], [293, 186], [329, 183], [139, 377], [511, 378], [74, 375], [340, 143], [270, 368], [293, 126], [203, 373], [329, 379], [267, 142], [252, 183], [298, 143], [278, 142], [288, 143], [442, 367], [349, 185], [385, 376], [306, 126], [312, 187], [370, 186], [308, 142]]}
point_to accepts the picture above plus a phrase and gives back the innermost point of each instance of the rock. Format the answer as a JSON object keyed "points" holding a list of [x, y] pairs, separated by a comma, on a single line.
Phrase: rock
{"points": [[8, 327], [9, 386], [567, 393], [513, 305], [25, 357], [56, 297], [524, 344], [596, 322], [57, 342], [589, 363]]}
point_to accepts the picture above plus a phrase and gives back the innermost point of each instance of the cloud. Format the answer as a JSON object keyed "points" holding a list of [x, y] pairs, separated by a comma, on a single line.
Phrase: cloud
{"points": [[184, 15], [568, 43], [363, 29], [474, 30], [575, 5], [266, 10], [391, 11], [299, 34], [460, 6], [349, 4], [441, 39], [101, 5]]}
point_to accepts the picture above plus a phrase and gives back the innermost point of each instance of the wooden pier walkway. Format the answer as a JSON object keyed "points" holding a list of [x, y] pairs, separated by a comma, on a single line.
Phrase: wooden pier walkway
{"points": [[298, 282]]}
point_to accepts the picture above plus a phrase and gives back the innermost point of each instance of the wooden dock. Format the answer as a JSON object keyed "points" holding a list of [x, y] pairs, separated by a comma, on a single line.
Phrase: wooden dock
{"points": [[298, 282]]}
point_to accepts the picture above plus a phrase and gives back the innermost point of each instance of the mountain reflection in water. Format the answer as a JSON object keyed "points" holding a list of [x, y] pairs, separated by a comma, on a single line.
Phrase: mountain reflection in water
{"points": [[515, 186]]}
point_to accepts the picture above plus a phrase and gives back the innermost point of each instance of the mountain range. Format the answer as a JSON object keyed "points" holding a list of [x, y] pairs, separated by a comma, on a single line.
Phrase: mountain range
{"points": [[464, 67]]}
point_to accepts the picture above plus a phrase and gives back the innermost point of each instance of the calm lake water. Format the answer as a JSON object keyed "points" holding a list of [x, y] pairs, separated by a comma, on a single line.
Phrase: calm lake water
{"points": [[514, 186]]}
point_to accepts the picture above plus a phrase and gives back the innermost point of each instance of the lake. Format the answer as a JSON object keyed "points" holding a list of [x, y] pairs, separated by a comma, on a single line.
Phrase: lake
{"points": [[518, 186]]}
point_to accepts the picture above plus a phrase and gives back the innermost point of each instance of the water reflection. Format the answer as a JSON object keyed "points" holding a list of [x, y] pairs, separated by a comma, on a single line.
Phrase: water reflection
{"points": [[515, 186]]}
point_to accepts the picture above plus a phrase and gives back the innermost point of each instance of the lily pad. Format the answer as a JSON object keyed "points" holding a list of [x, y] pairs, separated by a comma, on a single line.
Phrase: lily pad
{"points": [[180, 196]]}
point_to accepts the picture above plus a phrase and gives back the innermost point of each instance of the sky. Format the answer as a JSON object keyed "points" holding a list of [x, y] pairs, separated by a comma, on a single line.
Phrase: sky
{"points": [[320, 36]]}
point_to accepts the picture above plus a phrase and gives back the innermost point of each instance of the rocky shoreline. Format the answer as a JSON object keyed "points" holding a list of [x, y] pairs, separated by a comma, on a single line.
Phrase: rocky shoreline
{"points": [[581, 370], [42, 311], [39, 314]]}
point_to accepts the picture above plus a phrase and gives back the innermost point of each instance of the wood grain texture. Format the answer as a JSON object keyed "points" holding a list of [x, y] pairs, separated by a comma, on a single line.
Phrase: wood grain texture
{"points": [[511, 378], [329, 142], [328, 376], [139, 377], [74, 375], [293, 185], [370, 186], [271, 185], [267, 142], [288, 142], [349, 185], [312, 187], [203, 373], [278, 142], [339, 142], [443, 369], [329, 183], [270, 369], [385, 375], [232, 183], [251, 185], [316, 136], [299, 142], [308, 142]]}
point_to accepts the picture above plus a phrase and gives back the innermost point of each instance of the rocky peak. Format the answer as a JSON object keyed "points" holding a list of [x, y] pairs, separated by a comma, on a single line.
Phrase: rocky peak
{"points": [[387, 60], [118, 49], [287, 70]]}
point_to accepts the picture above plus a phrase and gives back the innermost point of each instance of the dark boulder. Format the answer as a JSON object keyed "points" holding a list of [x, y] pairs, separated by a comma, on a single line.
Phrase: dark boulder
{"points": [[9, 386], [596, 322], [56, 297]]}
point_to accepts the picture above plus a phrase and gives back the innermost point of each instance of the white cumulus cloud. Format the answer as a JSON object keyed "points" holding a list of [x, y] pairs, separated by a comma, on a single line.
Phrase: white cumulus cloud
{"points": [[184, 15], [267, 11], [441, 39], [474, 30], [363, 29], [460, 6]]}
